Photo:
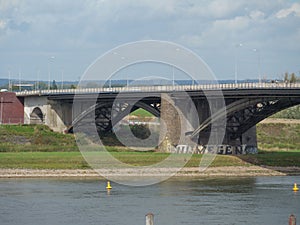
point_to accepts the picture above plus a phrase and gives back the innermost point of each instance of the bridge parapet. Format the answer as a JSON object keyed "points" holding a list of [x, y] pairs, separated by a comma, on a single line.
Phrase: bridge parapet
{"points": [[168, 88]]}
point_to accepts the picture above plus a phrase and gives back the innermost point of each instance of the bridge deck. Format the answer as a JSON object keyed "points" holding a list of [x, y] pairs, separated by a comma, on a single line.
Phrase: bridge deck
{"points": [[189, 88]]}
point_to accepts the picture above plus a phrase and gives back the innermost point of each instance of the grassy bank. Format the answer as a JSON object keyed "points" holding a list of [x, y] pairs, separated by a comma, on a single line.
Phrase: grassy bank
{"points": [[27, 138], [141, 113], [275, 136], [37, 147], [290, 113], [74, 160], [23, 138]]}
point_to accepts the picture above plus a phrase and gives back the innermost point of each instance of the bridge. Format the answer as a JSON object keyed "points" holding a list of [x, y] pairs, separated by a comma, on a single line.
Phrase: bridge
{"points": [[234, 109]]}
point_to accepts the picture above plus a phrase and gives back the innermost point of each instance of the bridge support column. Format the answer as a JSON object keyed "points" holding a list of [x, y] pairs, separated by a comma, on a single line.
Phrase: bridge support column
{"points": [[177, 117], [169, 124], [249, 140], [245, 143], [214, 135], [59, 115]]}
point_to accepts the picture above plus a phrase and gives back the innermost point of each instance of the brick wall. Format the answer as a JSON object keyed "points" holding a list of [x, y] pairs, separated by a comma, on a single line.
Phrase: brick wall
{"points": [[11, 108]]}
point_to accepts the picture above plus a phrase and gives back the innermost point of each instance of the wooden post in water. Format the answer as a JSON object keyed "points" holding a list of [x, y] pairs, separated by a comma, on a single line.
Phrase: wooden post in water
{"points": [[149, 219], [292, 220]]}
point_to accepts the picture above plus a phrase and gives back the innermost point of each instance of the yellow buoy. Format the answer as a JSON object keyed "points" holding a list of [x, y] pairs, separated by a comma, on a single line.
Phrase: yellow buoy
{"points": [[295, 188], [108, 187]]}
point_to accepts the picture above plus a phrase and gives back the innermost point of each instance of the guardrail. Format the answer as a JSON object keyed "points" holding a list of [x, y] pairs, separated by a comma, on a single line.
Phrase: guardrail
{"points": [[168, 88]]}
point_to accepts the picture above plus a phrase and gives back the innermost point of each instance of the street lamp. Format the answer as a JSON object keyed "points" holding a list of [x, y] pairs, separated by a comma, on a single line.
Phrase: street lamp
{"points": [[173, 77], [49, 71], [20, 87], [37, 85], [9, 81], [62, 78], [236, 62], [1, 109], [259, 64]]}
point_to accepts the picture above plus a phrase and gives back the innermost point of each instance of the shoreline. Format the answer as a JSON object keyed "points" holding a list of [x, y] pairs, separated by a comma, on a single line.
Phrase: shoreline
{"points": [[226, 171]]}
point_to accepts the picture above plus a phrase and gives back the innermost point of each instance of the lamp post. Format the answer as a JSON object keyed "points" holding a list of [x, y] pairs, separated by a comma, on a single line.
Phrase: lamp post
{"points": [[259, 64], [1, 101], [236, 62], [49, 70], [62, 78], [20, 81], [37, 86], [9, 81], [173, 77]]}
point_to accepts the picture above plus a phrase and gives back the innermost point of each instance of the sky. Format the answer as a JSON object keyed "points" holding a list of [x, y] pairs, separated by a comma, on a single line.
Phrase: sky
{"points": [[65, 37]]}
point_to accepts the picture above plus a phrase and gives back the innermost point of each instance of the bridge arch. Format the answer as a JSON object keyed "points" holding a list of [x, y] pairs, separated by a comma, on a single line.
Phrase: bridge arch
{"points": [[243, 114], [265, 110], [37, 116], [105, 118]]}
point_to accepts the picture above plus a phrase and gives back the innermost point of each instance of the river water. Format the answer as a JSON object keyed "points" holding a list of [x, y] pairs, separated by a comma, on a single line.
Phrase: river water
{"points": [[260, 200]]}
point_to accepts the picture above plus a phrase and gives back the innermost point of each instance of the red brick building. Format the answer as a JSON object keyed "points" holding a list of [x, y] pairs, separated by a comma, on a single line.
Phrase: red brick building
{"points": [[11, 108]]}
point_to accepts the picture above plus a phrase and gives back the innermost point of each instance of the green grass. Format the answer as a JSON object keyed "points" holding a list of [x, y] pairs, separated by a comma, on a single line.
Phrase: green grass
{"points": [[42, 160], [30, 138], [37, 147], [141, 113], [276, 158], [290, 113], [20, 138], [278, 136], [74, 160]]}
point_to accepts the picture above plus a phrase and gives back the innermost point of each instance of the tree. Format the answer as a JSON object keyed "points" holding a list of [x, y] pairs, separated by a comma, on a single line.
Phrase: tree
{"points": [[40, 85], [286, 77], [293, 78], [91, 85], [54, 85], [290, 78]]}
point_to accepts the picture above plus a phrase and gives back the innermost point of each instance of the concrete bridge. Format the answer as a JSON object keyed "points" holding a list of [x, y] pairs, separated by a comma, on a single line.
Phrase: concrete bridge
{"points": [[245, 105]]}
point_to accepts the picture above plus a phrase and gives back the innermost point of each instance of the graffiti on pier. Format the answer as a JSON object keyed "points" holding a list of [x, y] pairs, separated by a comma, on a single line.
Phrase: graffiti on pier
{"points": [[214, 149]]}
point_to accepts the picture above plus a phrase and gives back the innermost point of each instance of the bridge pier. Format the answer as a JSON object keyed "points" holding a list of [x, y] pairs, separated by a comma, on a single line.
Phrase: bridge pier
{"points": [[249, 139], [169, 124], [59, 115], [55, 114], [176, 119]]}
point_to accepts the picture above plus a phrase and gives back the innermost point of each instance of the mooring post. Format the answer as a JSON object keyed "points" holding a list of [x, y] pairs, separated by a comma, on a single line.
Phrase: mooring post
{"points": [[149, 219], [292, 220]]}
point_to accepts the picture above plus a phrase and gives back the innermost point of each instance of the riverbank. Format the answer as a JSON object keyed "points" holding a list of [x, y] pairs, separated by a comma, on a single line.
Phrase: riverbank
{"points": [[230, 171], [36, 151]]}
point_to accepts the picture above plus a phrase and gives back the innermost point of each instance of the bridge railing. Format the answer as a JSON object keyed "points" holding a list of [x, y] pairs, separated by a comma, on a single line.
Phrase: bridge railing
{"points": [[167, 88]]}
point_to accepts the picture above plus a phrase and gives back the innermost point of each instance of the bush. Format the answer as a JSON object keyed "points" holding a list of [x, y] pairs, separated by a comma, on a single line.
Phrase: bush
{"points": [[140, 131]]}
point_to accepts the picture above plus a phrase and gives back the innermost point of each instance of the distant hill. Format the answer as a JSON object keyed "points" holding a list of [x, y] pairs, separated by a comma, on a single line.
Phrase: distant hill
{"points": [[3, 82]]}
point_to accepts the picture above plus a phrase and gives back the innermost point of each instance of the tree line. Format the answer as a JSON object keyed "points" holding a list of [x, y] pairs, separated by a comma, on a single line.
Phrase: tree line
{"points": [[290, 78], [38, 85]]}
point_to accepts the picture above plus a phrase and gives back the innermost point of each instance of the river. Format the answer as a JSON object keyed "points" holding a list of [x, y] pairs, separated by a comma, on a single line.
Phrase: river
{"points": [[260, 200]]}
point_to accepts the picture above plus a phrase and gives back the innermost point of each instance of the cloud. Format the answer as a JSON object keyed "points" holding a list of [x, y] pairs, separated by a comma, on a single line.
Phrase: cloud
{"points": [[8, 5], [2, 24], [89, 28], [294, 10], [223, 8], [257, 15]]}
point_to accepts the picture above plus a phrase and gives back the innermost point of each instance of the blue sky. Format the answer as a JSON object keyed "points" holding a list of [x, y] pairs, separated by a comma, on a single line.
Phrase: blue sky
{"points": [[75, 33]]}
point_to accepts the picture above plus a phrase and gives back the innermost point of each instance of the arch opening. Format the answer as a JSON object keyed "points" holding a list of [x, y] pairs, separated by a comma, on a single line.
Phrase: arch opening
{"points": [[102, 114], [36, 116]]}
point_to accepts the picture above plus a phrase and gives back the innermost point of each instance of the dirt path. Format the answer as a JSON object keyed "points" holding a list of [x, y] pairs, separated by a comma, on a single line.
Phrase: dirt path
{"points": [[229, 171]]}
